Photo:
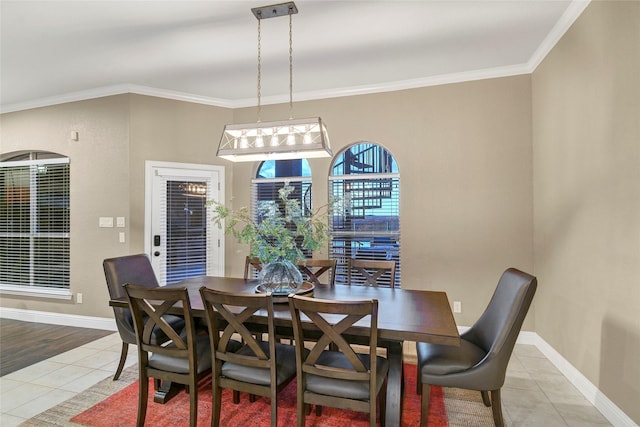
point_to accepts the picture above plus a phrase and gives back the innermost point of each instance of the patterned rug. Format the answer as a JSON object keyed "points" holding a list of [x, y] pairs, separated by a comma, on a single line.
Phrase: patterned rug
{"points": [[114, 403]]}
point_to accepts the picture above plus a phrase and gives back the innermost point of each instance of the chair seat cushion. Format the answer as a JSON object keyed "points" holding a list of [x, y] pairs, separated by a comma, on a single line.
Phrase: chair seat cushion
{"points": [[358, 390], [434, 359], [285, 365], [181, 364]]}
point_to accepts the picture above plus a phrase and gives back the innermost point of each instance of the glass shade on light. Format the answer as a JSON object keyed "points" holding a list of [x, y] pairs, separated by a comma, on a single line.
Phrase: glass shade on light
{"points": [[285, 139]]}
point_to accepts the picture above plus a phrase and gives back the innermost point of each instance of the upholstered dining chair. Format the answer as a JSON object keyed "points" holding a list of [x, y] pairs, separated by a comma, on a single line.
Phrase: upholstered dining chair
{"points": [[184, 359], [131, 269], [371, 273], [313, 269], [341, 378], [251, 263], [480, 362], [261, 368]]}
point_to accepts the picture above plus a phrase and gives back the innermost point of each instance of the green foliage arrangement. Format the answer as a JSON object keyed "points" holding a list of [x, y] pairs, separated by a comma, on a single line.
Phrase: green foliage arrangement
{"points": [[281, 224]]}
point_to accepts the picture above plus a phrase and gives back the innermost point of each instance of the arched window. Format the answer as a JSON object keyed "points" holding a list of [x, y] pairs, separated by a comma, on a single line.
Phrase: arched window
{"points": [[272, 175], [367, 226], [34, 222]]}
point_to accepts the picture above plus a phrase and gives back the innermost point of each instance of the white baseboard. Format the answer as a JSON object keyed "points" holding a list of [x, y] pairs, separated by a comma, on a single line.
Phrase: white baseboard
{"points": [[608, 409], [58, 319]]}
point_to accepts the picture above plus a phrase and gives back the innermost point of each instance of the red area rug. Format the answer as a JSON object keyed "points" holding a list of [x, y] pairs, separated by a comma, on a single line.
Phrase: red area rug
{"points": [[121, 408]]}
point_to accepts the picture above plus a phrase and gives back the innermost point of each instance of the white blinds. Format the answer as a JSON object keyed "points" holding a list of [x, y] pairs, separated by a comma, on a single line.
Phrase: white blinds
{"points": [[368, 225], [185, 214], [34, 223]]}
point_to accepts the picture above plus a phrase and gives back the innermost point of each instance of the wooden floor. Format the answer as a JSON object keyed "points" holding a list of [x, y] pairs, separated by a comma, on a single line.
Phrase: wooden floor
{"points": [[26, 343]]}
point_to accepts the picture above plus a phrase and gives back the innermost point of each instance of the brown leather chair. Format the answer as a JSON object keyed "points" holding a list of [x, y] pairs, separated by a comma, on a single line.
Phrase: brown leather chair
{"points": [[251, 263], [341, 378], [185, 359], [261, 368], [313, 269], [480, 362], [371, 273], [131, 269]]}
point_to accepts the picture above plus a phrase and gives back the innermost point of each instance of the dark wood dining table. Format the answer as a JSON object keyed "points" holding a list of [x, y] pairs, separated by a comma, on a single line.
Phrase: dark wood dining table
{"points": [[403, 315]]}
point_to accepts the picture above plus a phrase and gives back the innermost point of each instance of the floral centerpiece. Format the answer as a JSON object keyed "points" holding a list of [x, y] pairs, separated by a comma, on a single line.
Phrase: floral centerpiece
{"points": [[278, 234]]}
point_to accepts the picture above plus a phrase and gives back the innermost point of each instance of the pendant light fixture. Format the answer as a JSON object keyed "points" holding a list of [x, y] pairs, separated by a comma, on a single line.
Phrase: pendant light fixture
{"points": [[278, 140]]}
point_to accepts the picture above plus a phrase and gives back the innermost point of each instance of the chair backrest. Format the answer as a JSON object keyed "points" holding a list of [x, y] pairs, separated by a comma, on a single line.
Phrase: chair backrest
{"points": [[371, 273], [149, 307], [229, 313], [253, 262], [120, 271], [128, 269], [333, 319], [314, 269], [498, 327]]}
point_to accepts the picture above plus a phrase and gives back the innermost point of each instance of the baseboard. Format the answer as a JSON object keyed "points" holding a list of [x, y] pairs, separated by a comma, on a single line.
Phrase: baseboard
{"points": [[608, 409], [58, 319]]}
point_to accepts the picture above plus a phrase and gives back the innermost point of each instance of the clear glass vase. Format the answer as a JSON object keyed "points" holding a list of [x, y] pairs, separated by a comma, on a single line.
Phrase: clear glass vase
{"points": [[280, 277]]}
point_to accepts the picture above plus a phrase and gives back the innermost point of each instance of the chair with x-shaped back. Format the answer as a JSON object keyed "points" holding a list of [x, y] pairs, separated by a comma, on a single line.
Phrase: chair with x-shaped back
{"points": [[261, 368], [314, 269], [338, 378], [184, 359], [371, 273]]}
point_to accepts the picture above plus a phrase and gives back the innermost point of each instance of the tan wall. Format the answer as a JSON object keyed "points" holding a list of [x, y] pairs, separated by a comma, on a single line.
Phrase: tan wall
{"points": [[586, 139], [99, 186], [464, 155]]}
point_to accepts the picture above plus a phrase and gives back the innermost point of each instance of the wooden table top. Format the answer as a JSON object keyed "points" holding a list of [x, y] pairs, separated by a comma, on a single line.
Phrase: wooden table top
{"points": [[403, 315]]}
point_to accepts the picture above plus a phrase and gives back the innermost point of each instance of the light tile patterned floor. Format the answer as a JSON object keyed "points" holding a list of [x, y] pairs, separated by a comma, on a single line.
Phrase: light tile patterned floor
{"points": [[535, 392]]}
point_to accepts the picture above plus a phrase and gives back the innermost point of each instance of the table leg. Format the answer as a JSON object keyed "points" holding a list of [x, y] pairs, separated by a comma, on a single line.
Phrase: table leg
{"points": [[166, 391], [395, 384]]}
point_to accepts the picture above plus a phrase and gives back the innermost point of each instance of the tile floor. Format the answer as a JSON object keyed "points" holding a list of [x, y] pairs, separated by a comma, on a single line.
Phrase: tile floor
{"points": [[535, 392]]}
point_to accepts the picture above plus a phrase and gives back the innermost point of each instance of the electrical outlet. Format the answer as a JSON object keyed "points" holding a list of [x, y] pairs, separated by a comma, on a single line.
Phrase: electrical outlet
{"points": [[457, 307], [79, 298]]}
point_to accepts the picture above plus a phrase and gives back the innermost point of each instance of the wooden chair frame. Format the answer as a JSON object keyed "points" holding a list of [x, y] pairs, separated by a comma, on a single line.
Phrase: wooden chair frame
{"points": [[371, 271], [315, 268], [251, 262], [148, 306], [229, 313], [342, 315]]}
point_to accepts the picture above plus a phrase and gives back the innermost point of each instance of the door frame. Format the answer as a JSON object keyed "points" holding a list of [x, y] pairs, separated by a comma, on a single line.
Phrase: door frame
{"points": [[149, 167]]}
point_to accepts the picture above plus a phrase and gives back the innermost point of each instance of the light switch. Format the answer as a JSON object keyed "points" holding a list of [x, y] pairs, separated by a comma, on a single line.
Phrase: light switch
{"points": [[121, 236], [105, 221], [120, 221]]}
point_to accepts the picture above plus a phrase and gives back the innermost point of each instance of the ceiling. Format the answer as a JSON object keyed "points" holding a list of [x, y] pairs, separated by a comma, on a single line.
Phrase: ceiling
{"points": [[206, 51]]}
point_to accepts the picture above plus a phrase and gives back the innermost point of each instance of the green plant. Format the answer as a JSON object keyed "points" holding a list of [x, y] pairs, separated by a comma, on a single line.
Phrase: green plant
{"points": [[281, 230]]}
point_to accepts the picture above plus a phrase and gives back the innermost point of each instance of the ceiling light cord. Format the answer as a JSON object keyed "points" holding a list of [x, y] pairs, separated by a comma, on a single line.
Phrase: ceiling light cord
{"points": [[290, 63], [259, 71]]}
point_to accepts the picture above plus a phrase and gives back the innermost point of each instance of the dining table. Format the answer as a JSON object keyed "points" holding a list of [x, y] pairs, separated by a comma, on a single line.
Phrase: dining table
{"points": [[403, 315]]}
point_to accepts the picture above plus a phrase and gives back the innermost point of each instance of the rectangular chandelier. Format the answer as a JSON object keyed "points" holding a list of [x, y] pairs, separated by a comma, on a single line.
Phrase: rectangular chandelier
{"points": [[279, 140]]}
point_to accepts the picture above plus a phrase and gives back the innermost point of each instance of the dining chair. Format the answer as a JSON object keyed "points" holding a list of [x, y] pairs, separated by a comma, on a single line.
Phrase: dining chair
{"points": [[261, 368], [132, 269], [184, 359], [338, 378], [251, 263], [313, 269], [480, 362], [371, 273]]}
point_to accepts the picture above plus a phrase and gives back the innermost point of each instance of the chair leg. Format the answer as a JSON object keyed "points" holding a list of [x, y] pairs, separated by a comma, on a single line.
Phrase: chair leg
{"points": [[424, 405], [383, 404], [193, 403], [274, 408], [216, 405], [123, 358], [301, 406], [485, 398], [143, 393], [418, 381], [496, 407]]}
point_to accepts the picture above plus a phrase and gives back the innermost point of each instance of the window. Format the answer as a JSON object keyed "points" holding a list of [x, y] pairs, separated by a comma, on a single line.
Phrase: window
{"points": [[34, 223], [272, 175], [365, 177]]}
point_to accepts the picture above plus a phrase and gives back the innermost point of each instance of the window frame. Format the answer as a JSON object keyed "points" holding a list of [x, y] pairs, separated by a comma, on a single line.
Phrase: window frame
{"points": [[62, 288]]}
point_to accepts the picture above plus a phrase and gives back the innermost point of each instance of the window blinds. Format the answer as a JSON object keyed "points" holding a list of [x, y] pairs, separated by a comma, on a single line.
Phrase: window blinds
{"points": [[34, 223]]}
